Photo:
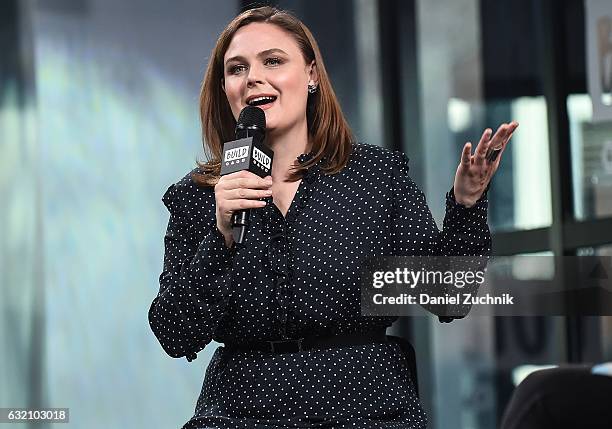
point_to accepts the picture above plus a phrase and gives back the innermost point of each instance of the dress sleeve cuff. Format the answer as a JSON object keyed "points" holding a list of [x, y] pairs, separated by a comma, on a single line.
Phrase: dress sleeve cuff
{"points": [[218, 242], [481, 204], [467, 227]]}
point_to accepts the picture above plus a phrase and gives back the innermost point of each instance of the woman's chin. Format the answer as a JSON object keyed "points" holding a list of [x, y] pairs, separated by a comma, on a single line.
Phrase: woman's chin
{"points": [[271, 129], [274, 129]]}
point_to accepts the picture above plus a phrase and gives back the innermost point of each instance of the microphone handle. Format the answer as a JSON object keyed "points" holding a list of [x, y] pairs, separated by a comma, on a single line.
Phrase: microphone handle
{"points": [[240, 221], [240, 218]]}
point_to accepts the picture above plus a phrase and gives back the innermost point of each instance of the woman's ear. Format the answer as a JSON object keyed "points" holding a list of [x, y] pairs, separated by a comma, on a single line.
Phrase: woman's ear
{"points": [[313, 74], [223, 84]]}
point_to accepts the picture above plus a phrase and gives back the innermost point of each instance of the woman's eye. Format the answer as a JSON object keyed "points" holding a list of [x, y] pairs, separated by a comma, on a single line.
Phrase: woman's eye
{"points": [[273, 61], [236, 69]]}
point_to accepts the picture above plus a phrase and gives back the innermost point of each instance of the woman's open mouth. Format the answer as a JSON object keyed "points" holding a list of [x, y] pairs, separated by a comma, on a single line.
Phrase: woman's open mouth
{"points": [[264, 102]]}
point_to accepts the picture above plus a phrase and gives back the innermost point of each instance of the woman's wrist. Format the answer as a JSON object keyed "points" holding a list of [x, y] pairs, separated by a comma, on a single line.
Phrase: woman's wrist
{"points": [[227, 236], [467, 201]]}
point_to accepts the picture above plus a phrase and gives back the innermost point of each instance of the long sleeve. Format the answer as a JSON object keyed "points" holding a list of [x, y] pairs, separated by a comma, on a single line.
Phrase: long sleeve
{"points": [[465, 232], [194, 285]]}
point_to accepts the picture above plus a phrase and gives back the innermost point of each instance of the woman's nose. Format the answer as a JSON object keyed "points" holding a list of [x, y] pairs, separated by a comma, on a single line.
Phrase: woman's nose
{"points": [[255, 76]]}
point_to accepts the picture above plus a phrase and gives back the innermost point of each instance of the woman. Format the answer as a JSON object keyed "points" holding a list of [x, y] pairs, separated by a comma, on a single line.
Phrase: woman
{"points": [[329, 203]]}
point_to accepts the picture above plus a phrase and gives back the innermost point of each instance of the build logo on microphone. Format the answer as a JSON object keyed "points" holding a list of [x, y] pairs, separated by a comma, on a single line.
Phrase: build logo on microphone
{"points": [[261, 159], [236, 155]]}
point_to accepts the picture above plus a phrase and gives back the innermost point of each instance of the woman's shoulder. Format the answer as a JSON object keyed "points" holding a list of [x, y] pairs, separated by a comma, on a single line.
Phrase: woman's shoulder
{"points": [[185, 194], [378, 158]]}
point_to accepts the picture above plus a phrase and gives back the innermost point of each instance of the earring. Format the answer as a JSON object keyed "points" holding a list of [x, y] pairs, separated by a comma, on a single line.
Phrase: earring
{"points": [[312, 88]]}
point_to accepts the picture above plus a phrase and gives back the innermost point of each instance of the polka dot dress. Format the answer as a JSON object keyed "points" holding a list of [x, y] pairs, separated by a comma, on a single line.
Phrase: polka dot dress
{"points": [[299, 276]]}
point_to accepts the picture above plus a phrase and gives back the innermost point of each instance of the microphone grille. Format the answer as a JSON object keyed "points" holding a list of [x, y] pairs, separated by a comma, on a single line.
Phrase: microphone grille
{"points": [[252, 116]]}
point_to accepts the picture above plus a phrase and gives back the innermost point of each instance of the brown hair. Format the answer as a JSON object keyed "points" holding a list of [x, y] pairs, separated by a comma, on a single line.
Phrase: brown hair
{"points": [[328, 129]]}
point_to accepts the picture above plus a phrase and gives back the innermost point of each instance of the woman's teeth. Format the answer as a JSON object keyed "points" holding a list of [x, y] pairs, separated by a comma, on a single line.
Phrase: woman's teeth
{"points": [[261, 101]]}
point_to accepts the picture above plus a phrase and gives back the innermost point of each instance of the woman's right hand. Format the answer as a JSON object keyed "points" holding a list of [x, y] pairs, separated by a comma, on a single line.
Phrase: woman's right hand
{"points": [[238, 191]]}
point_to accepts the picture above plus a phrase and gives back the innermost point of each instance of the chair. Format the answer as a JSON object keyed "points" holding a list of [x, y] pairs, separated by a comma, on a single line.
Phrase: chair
{"points": [[410, 355]]}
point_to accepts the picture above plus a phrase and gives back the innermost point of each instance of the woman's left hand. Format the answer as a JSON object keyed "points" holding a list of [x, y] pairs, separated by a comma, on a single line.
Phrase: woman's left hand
{"points": [[475, 171]]}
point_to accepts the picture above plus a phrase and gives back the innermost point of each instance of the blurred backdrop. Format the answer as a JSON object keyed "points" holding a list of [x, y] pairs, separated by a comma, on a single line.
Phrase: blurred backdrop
{"points": [[99, 115]]}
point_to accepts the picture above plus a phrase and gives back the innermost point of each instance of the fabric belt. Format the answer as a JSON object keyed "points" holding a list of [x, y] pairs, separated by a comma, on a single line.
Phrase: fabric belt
{"points": [[312, 342]]}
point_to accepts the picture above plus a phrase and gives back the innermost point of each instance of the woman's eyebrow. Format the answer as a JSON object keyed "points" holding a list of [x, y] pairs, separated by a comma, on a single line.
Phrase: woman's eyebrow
{"points": [[259, 55]]}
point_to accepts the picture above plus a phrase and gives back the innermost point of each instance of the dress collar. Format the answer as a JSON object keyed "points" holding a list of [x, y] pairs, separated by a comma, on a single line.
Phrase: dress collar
{"points": [[305, 157]]}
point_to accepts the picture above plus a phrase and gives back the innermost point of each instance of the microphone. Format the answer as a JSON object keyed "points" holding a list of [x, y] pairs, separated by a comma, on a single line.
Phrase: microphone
{"points": [[247, 152]]}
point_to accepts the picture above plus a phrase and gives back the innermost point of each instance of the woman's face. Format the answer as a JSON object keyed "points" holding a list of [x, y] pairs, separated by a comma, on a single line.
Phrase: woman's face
{"points": [[264, 60]]}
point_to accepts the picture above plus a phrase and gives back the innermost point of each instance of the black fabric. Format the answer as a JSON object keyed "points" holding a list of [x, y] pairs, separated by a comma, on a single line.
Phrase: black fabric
{"points": [[312, 342], [567, 397], [410, 355], [296, 276]]}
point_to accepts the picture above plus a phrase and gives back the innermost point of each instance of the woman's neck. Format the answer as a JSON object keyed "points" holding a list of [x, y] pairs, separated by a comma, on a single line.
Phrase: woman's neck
{"points": [[287, 147]]}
